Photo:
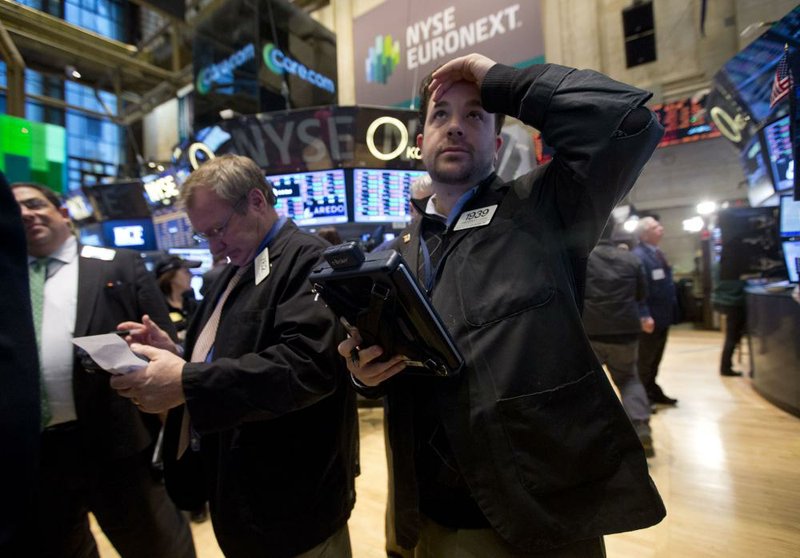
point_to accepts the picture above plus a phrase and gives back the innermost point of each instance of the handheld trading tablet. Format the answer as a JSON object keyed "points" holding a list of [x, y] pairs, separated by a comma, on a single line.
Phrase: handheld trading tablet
{"points": [[378, 295]]}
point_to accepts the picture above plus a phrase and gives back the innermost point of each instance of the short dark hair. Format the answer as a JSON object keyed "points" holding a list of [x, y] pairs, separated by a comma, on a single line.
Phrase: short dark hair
{"points": [[48, 193], [425, 97]]}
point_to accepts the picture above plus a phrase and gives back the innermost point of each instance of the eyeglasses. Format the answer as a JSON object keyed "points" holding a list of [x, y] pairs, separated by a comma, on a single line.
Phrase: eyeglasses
{"points": [[218, 232]]}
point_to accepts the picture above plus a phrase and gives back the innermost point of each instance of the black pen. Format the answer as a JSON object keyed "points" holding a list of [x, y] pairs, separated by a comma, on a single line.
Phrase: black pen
{"points": [[354, 356], [122, 332]]}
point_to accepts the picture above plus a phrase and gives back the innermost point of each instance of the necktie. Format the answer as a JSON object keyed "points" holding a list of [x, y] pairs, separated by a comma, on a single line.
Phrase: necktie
{"points": [[37, 276], [432, 233], [209, 332], [204, 343], [661, 258]]}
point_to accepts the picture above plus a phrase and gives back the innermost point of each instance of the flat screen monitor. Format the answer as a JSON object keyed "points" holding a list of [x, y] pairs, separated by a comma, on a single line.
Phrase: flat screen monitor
{"points": [[791, 255], [311, 198], [173, 229], [790, 217], [118, 200], [79, 207], [135, 234], [91, 234], [756, 171], [381, 195], [778, 139], [202, 255]]}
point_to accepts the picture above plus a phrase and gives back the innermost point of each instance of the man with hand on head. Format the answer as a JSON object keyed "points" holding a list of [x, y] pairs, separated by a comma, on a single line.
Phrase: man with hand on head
{"points": [[96, 446], [259, 401], [527, 452]]}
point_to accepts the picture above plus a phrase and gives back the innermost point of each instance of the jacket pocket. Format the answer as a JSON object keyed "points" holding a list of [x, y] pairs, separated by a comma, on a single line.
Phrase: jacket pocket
{"points": [[561, 438], [503, 273]]}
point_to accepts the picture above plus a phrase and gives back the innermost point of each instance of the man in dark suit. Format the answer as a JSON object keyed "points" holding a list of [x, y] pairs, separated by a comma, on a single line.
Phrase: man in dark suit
{"points": [[95, 446], [273, 421], [661, 303], [19, 379]]}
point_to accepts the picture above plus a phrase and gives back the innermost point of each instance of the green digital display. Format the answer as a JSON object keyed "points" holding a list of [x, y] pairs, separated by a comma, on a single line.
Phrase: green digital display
{"points": [[33, 152]]}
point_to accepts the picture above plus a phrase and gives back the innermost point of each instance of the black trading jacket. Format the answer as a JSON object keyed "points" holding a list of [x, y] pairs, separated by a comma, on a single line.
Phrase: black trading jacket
{"points": [[536, 429]]}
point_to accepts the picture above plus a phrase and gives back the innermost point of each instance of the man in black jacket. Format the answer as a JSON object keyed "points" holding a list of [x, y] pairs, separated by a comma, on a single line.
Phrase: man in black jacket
{"points": [[527, 451], [613, 316], [273, 420]]}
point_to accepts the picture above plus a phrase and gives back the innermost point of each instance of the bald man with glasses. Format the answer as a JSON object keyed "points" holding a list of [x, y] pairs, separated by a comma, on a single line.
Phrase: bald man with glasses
{"points": [[261, 414]]}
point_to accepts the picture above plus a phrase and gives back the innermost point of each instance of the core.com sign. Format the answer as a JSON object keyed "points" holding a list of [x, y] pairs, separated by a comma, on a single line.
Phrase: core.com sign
{"points": [[279, 63], [416, 36], [222, 71], [274, 59]]}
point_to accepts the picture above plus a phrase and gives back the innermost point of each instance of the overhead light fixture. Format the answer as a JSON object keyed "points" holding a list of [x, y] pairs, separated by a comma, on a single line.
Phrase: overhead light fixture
{"points": [[631, 224], [706, 207], [693, 225], [72, 72]]}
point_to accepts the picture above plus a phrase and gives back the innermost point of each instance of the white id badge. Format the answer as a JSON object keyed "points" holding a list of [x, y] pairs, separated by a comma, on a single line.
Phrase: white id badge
{"points": [[659, 274], [262, 265], [475, 218]]}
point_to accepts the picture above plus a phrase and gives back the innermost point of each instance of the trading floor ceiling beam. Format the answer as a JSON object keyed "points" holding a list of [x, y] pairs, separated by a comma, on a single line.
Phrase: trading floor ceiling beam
{"points": [[49, 42]]}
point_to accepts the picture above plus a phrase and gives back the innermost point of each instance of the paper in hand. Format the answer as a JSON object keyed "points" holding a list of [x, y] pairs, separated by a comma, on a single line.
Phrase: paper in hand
{"points": [[110, 353]]}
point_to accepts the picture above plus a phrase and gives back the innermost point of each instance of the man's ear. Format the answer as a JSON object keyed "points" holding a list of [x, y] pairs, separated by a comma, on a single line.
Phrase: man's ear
{"points": [[64, 212], [419, 140], [255, 197]]}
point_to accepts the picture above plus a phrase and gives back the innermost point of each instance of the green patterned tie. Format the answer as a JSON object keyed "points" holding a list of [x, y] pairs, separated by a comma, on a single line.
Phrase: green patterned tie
{"points": [[37, 276]]}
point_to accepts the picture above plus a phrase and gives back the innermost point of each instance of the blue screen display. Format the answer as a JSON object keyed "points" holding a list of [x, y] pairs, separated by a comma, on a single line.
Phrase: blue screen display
{"points": [[791, 254], [778, 139], [311, 198], [381, 195], [136, 234], [790, 217]]}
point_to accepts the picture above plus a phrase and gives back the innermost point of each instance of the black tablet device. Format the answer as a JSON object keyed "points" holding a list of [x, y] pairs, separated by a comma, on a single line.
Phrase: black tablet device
{"points": [[378, 295]]}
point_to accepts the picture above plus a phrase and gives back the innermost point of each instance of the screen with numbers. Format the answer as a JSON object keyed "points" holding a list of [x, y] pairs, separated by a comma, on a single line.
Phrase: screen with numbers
{"points": [[172, 229], [311, 198], [791, 254], [779, 150], [381, 195], [790, 217]]}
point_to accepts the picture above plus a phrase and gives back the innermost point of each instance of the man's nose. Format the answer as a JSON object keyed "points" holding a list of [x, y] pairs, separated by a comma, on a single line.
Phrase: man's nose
{"points": [[27, 214], [455, 130]]}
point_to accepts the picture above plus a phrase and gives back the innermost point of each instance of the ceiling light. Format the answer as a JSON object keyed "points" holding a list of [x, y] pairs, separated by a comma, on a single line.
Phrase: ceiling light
{"points": [[706, 207]]}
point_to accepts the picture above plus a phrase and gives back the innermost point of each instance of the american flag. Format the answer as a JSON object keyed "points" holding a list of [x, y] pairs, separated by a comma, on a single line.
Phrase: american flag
{"points": [[783, 82]]}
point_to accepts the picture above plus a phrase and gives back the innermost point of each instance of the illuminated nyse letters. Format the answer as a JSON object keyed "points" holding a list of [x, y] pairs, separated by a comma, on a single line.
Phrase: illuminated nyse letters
{"points": [[329, 139], [162, 189]]}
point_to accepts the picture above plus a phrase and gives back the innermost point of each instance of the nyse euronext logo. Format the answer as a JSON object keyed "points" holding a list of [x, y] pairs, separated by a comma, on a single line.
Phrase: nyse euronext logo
{"points": [[214, 73], [382, 59]]}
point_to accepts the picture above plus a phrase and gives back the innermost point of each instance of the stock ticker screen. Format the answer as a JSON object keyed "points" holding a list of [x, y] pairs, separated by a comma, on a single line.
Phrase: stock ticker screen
{"points": [[779, 150], [311, 198], [381, 195]]}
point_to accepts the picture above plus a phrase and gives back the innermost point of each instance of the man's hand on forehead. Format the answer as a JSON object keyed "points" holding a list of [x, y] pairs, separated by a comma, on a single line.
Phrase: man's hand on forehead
{"points": [[472, 68]]}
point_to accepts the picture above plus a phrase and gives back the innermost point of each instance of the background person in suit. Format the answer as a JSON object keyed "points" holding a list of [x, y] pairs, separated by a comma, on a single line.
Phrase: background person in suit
{"points": [[661, 303], [19, 379], [96, 446], [273, 417]]}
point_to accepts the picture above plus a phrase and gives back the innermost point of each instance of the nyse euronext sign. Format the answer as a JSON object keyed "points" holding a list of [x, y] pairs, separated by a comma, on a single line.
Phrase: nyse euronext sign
{"points": [[274, 59]]}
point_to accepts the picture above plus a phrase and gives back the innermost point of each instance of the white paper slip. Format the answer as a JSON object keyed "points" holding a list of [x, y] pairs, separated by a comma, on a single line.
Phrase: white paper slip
{"points": [[110, 352]]}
